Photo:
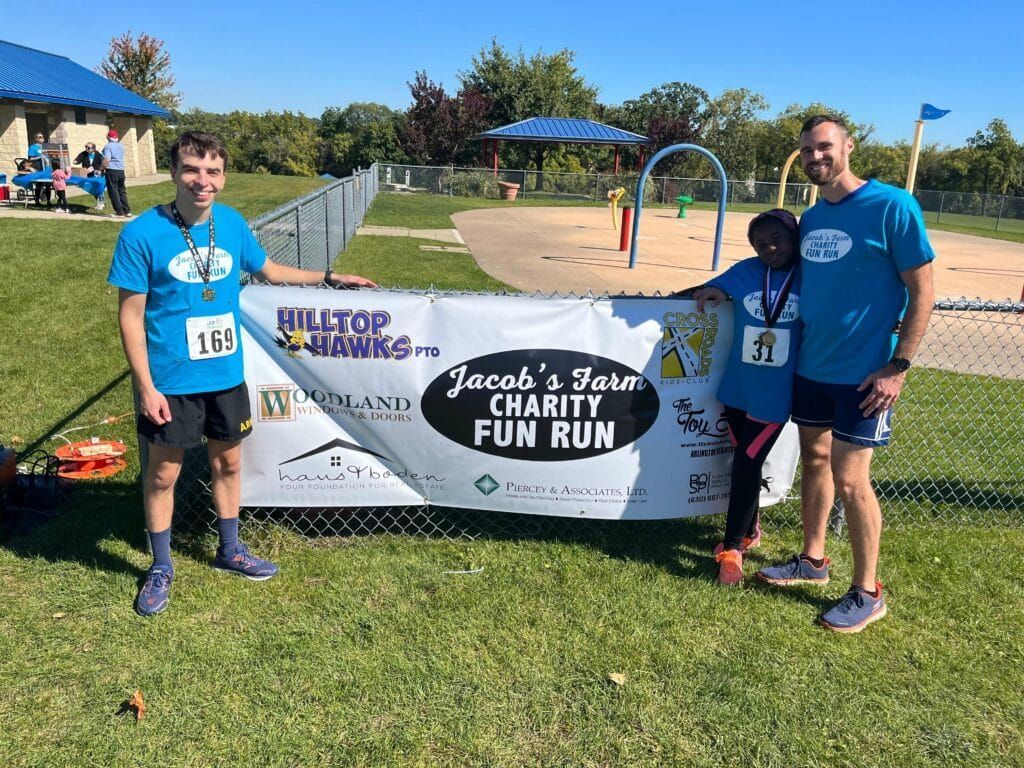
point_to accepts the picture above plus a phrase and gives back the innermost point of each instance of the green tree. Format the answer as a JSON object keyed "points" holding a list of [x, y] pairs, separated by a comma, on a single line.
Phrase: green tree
{"points": [[518, 88], [360, 134], [142, 66], [731, 129], [999, 158]]}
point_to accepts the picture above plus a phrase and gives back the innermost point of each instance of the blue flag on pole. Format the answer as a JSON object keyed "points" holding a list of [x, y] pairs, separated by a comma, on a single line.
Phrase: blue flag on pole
{"points": [[928, 112]]}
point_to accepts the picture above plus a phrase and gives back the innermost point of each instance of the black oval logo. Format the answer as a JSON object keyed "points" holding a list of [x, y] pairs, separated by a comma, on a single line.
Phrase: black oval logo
{"points": [[541, 404]]}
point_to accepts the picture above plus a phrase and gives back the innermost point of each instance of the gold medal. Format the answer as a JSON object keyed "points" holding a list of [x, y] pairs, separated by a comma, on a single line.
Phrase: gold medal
{"points": [[209, 295], [768, 339]]}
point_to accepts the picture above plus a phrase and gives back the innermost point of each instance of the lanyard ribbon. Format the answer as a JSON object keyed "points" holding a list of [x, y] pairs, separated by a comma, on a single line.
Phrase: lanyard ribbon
{"points": [[204, 269], [772, 306]]}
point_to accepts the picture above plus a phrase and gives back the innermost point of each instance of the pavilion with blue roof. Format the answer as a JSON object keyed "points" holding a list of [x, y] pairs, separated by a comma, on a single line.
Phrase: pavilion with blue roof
{"points": [[563, 130], [71, 106]]}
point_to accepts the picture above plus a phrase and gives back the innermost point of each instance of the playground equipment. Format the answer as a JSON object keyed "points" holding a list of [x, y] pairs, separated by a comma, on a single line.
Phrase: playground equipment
{"points": [[683, 200], [719, 224], [614, 195], [627, 218], [780, 200]]}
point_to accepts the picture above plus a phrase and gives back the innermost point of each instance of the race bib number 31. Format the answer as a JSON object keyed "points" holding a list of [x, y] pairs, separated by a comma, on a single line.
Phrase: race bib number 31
{"points": [[210, 337], [757, 352]]}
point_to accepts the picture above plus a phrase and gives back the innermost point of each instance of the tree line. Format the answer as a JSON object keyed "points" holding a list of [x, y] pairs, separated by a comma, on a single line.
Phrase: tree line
{"points": [[502, 87]]}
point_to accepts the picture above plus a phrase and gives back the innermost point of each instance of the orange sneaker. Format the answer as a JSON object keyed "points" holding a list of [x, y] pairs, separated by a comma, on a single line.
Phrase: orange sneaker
{"points": [[730, 567], [748, 542]]}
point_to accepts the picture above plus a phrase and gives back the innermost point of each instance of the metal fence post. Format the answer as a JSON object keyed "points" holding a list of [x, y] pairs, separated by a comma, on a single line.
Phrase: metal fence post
{"points": [[298, 236], [942, 201], [999, 215]]}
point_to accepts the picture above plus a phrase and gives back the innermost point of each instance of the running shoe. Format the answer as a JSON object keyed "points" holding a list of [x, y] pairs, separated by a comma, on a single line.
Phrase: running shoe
{"points": [[242, 563], [155, 592], [855, 610], [798, 570], [730, 567]]}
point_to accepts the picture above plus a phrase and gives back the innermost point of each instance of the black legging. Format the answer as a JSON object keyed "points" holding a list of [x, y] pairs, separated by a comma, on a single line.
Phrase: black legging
{"points": [[753, 440]]}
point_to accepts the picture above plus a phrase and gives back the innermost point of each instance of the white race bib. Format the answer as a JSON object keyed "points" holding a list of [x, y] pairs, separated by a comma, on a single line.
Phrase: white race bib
{"points": [[210, 337], [756, 352]]}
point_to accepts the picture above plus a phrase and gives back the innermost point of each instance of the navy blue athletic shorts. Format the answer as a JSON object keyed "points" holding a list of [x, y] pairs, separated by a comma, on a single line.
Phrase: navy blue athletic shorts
{"points": [[816, 404]]}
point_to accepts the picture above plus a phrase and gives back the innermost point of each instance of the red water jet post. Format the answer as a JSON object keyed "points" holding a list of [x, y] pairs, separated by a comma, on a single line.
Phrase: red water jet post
{"points": [[625, 229]]}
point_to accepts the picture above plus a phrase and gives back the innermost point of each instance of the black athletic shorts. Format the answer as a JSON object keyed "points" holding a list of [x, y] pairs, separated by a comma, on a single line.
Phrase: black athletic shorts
{"points": [[224, 415]]}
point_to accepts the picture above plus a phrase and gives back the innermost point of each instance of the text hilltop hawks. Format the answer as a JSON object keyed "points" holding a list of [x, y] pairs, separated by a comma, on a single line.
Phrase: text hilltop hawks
{"points": [[352, 333]]}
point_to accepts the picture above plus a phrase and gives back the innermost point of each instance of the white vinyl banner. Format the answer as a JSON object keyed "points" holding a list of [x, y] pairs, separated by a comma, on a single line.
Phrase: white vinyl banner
{"points": [[601, 408]]}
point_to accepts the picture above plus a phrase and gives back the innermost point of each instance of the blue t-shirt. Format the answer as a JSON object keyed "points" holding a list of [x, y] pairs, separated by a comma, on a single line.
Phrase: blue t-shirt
{"points": [[151, 257], [114, 153], [35, 150], [759, 378], [852, 254]]}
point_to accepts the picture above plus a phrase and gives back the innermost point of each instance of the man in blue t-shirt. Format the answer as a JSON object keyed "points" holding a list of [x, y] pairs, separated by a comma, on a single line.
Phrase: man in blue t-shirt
{"points": [[866, 299], [178, 268]]}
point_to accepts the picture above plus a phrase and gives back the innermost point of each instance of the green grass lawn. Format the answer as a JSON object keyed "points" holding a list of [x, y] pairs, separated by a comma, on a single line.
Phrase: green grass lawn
{"points": [[363, 653], [250, 193]]}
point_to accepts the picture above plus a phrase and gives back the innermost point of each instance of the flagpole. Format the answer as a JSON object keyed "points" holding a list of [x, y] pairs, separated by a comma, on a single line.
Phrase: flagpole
{"points": [[915, 150]]}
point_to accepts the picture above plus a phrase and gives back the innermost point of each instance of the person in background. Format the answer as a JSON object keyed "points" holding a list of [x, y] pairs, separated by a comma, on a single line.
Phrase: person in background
{"points": [[757, 385], [113, 168], [60, 186], [92, 161]]}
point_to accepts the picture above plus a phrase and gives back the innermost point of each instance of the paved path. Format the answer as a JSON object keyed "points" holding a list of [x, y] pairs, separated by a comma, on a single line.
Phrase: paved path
{"points": [[444, 235], [575, 249]]}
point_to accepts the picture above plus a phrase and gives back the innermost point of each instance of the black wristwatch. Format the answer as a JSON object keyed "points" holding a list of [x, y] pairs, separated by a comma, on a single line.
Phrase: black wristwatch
{"points": [[901, 364], [327, 277]]}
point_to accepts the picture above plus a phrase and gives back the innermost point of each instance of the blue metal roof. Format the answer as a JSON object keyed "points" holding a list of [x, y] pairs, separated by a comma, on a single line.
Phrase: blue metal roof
{"points": [[32, 75], [567, 130]]}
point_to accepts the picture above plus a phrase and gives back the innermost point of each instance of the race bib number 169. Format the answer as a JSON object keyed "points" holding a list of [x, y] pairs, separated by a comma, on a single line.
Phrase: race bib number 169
{"points": [[210, 337]]}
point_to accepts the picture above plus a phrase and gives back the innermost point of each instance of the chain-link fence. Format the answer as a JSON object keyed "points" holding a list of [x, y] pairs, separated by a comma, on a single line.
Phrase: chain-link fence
{"points": [[971, 209], [593, 187], [310, 231], [957, 455]]}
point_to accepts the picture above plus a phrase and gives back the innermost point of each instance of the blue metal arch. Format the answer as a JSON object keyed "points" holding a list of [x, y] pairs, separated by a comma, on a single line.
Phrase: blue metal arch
{"points": [[640, 197]]}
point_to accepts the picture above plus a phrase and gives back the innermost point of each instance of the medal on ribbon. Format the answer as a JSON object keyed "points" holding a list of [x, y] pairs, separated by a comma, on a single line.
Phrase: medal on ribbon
{"points": [[204, 269], [772, 306]]}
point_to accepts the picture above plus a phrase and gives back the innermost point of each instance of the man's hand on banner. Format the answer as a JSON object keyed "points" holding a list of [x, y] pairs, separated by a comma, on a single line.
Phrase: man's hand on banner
{"points": [[352, 281]]}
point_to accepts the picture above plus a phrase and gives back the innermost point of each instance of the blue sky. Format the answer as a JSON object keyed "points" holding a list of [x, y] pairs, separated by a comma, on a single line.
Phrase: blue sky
{"points": [[876, 60]]}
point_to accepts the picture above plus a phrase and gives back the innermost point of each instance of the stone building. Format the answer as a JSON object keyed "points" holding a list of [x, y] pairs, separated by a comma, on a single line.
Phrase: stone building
{"points": [[50, 94]]}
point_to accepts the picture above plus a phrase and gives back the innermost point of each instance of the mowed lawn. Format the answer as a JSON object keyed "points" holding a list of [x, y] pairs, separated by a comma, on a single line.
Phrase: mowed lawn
{"points": [[363, 652]]}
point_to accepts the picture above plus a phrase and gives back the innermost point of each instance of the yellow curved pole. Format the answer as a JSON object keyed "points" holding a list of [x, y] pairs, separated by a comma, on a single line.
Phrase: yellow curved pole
{"points": [[782, 179], [614, 195]]}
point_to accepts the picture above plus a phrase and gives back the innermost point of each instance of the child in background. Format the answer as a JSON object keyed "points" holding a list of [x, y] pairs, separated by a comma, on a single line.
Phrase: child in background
{"points": [[757, 386], [60, 186]]}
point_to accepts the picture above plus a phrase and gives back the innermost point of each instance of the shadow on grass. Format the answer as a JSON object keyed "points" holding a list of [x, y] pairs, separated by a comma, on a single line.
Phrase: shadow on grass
{"points": [[92, 515], [82, 408]]}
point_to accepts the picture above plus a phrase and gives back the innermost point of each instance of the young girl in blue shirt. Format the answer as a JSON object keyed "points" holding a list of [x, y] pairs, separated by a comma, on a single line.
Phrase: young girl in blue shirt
{"points": [[757, 386]]}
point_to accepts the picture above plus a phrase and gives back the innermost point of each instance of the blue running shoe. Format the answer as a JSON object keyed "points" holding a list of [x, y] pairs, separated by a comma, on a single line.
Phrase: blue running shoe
{"points": [[242, 563], [155, 592], [799, 570], [855, 610]]}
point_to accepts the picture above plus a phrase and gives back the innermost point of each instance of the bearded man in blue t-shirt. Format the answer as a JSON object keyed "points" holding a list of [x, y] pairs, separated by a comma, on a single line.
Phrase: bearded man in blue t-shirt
{"points": [[178, 267], [866, 299]]}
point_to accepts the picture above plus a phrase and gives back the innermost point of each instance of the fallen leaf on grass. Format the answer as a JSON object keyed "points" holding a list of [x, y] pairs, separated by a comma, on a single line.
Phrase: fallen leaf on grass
{"points": [[617, 677], [135, 705], [313, 581], [15, 440], [58, 615]]}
